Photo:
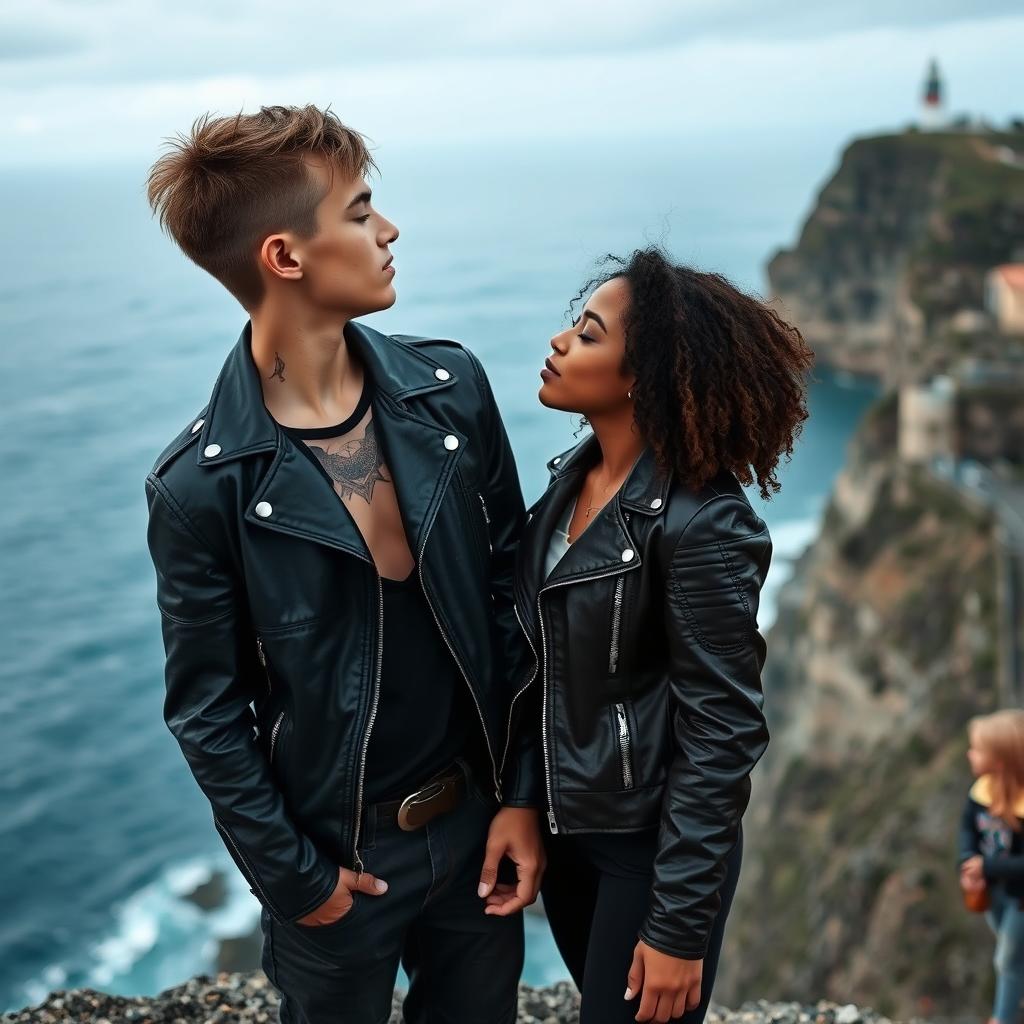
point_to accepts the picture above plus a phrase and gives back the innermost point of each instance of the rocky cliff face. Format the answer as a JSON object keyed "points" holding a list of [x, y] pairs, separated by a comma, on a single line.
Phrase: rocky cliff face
{"points": [[898, 242], [884, 645]]}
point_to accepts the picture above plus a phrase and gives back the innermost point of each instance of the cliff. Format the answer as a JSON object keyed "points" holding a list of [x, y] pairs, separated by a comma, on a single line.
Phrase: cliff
{"points": [[897, 243], [884, 645]]}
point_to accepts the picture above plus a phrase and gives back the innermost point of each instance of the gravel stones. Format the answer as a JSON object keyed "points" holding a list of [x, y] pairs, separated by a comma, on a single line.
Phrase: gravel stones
{"points": [[249, 998]]}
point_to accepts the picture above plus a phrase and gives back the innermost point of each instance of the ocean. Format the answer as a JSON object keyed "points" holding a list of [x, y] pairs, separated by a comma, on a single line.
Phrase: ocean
{"points": [[113, 342]]}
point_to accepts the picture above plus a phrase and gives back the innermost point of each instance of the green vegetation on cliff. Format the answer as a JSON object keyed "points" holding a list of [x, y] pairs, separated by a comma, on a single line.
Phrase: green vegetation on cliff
{"points": [[898, 242]]}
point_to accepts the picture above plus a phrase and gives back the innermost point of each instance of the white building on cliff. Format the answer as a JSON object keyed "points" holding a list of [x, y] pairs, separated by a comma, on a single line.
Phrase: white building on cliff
{"points": [[1004, 297]]}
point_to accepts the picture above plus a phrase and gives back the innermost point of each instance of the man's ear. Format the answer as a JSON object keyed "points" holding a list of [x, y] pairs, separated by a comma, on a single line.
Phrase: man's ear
{"points": [[278, 257]]}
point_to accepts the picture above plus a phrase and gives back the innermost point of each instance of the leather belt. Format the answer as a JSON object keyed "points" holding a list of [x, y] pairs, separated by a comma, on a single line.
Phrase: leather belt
{"points": [[441, 793]]}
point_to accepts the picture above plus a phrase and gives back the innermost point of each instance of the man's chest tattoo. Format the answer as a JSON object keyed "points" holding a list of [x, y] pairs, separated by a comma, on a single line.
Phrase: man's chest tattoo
{"points": [[356, 466]]}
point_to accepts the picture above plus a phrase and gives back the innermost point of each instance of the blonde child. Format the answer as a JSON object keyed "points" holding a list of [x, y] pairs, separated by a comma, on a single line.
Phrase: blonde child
{"points": [[991, 855]]}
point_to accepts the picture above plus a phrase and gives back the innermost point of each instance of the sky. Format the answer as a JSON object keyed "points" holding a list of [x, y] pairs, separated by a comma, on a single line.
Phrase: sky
{"points": [[106, 81]]}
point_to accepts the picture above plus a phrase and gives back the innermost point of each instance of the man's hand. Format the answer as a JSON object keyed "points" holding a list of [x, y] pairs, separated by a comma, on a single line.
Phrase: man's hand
{"points": [[972, 877], [339, 903], [514, 833], [669, 984]]}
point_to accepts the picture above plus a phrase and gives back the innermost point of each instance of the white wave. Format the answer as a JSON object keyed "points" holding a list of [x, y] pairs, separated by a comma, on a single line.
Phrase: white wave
{"points": [[158, 939], [790, 538], [137, 933], [185, 877]]}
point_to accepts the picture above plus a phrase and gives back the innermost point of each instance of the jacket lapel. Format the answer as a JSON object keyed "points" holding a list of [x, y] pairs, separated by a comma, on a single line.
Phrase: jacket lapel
{"points": [[292, 497], [603, 548], [302, 504], [421, 456], [606, 547]]}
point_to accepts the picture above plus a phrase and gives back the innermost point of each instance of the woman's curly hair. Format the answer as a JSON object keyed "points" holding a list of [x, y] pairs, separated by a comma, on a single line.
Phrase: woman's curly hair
{"points": [[720, 377]]}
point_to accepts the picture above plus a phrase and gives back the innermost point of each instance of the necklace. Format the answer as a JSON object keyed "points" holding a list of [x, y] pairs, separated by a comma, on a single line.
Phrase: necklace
{"points": [[589, 509]]}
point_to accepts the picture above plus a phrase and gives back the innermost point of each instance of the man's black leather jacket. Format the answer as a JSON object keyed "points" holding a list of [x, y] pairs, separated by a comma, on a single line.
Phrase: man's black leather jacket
{"points": [[646, 702], [271, 603]]}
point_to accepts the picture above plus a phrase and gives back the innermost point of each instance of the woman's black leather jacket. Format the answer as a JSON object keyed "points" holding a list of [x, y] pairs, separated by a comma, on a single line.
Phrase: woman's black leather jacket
{"points": [[646, 705]]}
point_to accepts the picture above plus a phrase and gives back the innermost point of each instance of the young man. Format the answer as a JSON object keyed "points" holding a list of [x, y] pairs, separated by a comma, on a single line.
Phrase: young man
{"points": [[333, 536]]}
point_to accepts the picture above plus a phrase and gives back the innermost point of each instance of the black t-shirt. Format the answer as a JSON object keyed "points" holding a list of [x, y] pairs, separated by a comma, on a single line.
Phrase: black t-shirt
{"points": [[423, 720], [425, 713]]}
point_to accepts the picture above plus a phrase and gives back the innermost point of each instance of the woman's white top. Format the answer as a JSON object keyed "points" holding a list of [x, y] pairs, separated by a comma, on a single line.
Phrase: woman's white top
{"points": [[559, 542]]}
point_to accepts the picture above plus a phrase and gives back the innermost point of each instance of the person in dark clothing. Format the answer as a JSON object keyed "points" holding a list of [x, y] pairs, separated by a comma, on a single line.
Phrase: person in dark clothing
{"points": [[638, 579], [334, 537], [991, 847]]}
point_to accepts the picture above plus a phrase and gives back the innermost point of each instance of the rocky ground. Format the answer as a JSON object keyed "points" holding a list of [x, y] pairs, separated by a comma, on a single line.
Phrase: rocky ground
{"points": [[250, 999], [239, 993]]}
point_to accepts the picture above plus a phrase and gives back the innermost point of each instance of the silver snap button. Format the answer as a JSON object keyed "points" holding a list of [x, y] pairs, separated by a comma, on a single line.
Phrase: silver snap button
{"points": [[555, 462], [197, 425], [451, 442], [263, 509], [627, 555], [211, 450], [656, 503], [442, 374]]}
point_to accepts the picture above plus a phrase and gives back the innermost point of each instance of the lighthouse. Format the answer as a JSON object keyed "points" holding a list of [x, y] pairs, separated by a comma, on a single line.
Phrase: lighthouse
{"points": [[933, 114]]}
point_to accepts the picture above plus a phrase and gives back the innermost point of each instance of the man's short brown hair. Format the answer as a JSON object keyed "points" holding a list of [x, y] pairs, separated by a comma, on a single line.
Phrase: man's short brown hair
{"points": [[232, 181]]}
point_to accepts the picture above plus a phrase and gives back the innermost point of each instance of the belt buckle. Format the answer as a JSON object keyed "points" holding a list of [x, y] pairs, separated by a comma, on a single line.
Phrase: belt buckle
{"points": [[407, 818]]}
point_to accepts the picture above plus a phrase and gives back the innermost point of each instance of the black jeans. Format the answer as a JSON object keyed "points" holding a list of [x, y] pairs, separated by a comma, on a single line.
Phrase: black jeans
{"points": [[463, 965], [596, 892]]}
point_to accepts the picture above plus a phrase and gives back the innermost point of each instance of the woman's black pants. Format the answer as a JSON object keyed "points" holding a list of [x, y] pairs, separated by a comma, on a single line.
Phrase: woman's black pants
{"points": [[596, 893]]}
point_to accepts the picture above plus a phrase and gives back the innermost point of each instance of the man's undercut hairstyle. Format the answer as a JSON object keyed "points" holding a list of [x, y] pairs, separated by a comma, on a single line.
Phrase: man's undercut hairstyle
{"points": [[222, 189]]}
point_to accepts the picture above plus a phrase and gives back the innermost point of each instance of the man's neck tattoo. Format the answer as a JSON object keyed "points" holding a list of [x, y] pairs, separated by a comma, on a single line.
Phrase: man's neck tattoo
{"points": [[278, 368], [356, 466]]}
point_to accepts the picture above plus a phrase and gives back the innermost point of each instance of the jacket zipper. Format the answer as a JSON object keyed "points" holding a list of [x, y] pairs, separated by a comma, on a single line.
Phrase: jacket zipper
{"points": [[624, 746], [263, 660], [528, 683], [369, 725], [280, 718], [613, 651], [520, 691], [552, 823], [487, 520], [444, 636], [252, 874], [273, 735]]}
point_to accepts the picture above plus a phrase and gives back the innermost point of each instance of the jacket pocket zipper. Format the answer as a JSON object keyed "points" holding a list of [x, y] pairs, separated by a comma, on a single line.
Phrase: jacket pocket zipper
{"points": [[247, 870], [278, 722], [487, 520], [613, 649], [263, 660], [625, 745]]}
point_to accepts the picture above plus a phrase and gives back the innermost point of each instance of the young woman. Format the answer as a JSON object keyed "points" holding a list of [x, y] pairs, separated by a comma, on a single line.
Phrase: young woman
{"points": [[638, 581], [992, 847]]}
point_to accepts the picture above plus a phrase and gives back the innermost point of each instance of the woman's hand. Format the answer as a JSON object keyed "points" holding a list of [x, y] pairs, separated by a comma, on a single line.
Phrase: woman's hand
{"points": [[514, 833], [972, 877], [669, 985]]}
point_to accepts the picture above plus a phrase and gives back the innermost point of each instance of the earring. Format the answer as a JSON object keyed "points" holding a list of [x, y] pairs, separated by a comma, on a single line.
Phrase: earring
{"points": [[629, 394]]}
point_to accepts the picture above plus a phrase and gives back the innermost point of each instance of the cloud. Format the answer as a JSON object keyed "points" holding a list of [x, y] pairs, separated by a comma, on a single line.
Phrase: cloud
{"points": [[779, 90], [25, 41], [158, 40]]}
